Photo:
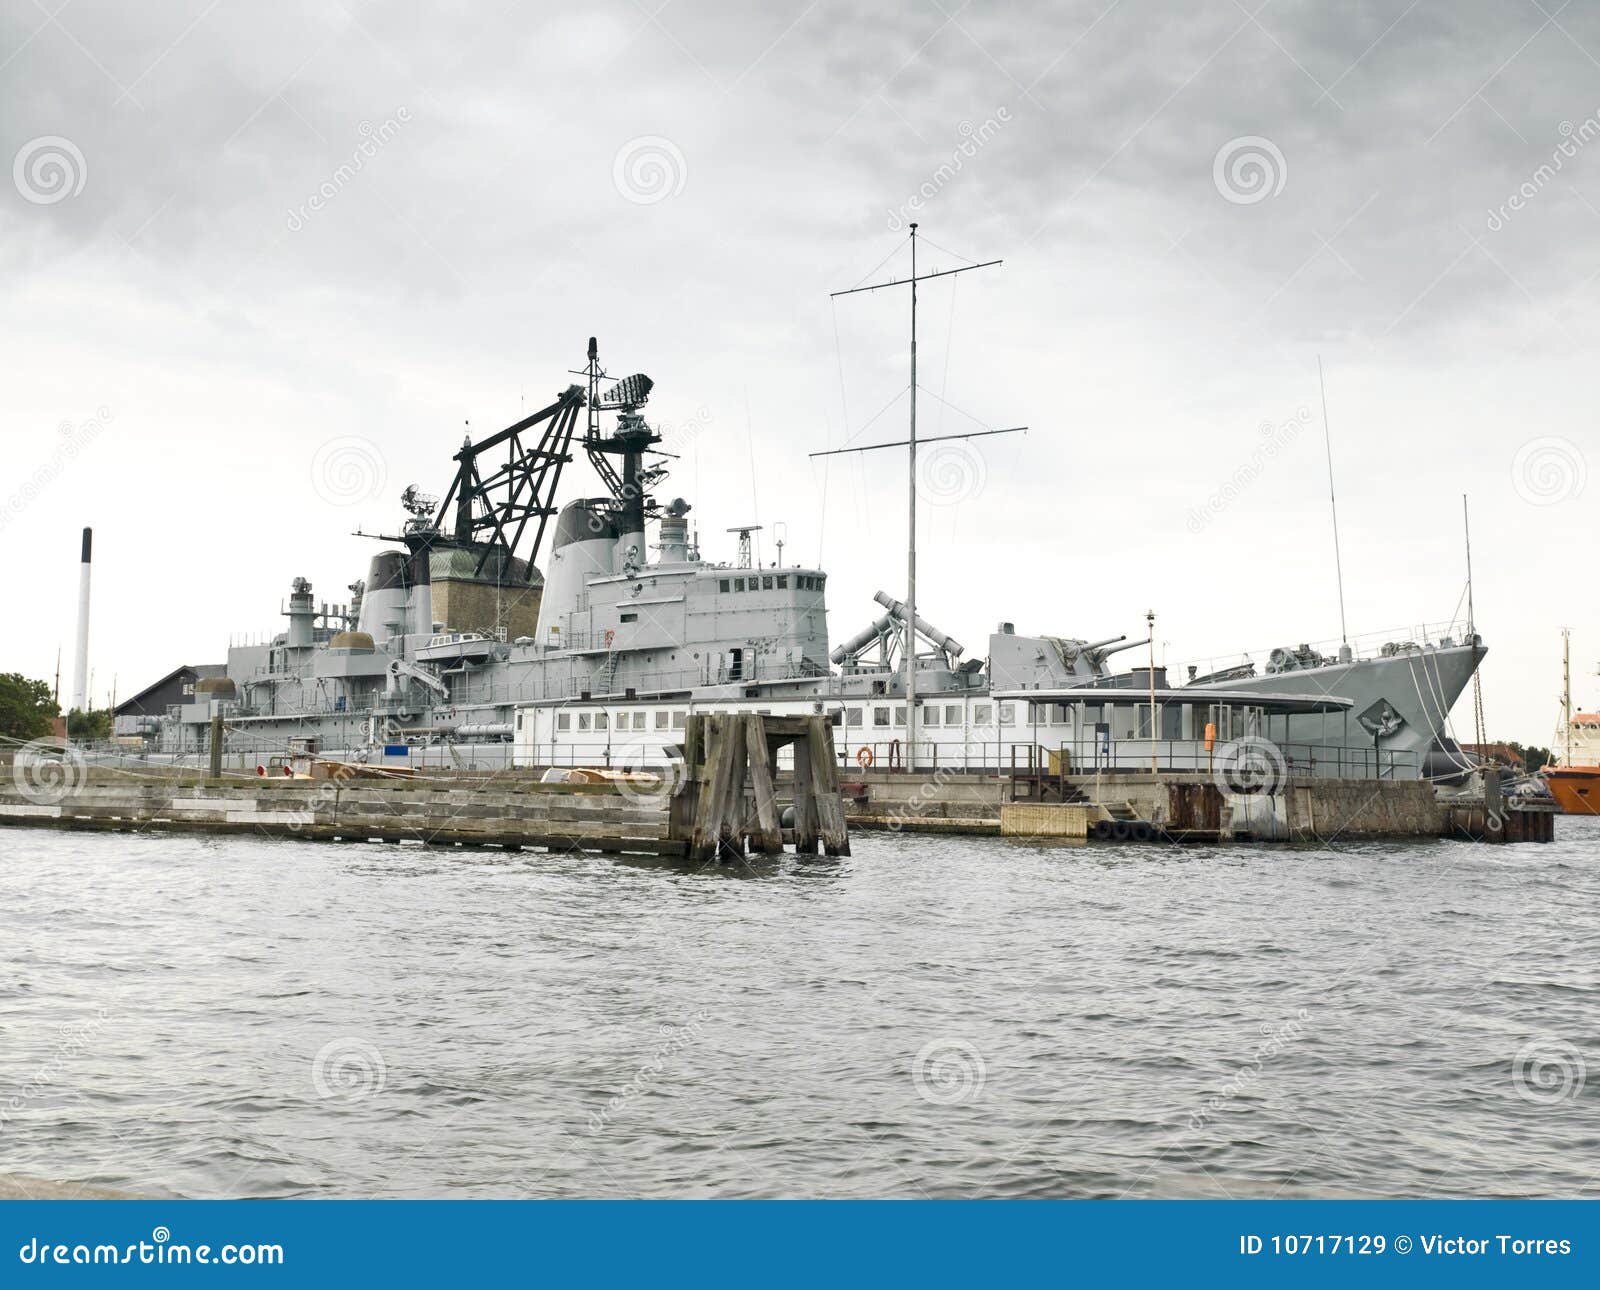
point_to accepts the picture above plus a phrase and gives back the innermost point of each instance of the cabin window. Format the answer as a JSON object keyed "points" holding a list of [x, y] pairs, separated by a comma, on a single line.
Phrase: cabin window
{"points": [[952, 714], [630, 618], [783, 582], [600, 720], [722, 584], [880, 716], [980, 714], [836, 718], [766, 582], [678, 720], [563, 721], [583, 721], [852, 716], [738, 584], [663, 719], [639, 719], [755, 584], [899, 716], [930, 715], [1007, 715]]}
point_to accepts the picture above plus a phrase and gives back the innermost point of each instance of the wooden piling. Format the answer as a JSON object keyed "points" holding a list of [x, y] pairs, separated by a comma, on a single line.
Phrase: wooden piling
{"points": [[727, 797]]}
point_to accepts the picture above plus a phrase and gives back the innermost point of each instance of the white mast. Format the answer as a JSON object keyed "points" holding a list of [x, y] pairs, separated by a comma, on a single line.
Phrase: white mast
{"points": [[1333, 505], [911, 469], [911, 536]]}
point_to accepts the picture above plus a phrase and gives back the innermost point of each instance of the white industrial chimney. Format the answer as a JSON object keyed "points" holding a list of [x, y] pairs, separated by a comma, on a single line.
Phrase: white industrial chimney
{"points": [[80, 664]]}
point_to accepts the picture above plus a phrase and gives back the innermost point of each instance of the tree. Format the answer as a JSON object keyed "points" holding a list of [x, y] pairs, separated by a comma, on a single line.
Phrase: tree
{"points": [[1532, 757], [89, 726], [26, 708]]}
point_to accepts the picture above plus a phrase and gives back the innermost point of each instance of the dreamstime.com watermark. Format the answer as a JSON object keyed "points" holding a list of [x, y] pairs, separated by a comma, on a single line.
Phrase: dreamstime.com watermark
{"points": [[1547, 1070], [348, 1069], [71, 439], [973, 139], [649, 169], [1249, 169], [373, 138], [160, 1250], [1573, 140], [948, 1072], [1276, 1039], [48, 771], [1274, 440], [1549, 470], [73, 1040], [951, 472], [674, 1040], [49, 169]]}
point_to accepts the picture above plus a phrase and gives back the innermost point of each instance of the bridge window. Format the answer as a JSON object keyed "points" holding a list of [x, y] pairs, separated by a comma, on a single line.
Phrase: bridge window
{"points": [[630, 618], [880, 716], [783, 582], [899, 716], [663, 719], [1006, 714], [738, 584], [583, 721], [722, 584], [563, 721], [678, 720], [852, 716], [952, 714], [600, 720], [766, 582], [930, 715]]}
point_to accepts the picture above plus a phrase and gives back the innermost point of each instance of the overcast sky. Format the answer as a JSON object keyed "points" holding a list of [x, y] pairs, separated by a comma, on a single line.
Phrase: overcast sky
{"points": [[263, 262]]}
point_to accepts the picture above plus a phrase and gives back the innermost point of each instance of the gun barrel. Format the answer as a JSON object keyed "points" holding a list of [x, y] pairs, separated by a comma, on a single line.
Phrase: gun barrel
{"points": [[1129, 645]]}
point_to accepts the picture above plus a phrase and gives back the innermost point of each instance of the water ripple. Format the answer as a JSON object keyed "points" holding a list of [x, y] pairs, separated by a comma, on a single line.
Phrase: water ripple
{"points": [[930, 1017]]}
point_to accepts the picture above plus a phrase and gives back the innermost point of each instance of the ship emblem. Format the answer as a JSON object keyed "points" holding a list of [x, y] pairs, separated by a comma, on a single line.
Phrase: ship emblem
{"points": [[1381, 720]]}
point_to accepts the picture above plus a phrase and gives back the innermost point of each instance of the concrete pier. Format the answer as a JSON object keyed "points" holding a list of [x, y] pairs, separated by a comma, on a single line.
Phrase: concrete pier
{"points": [[1179, 806]]}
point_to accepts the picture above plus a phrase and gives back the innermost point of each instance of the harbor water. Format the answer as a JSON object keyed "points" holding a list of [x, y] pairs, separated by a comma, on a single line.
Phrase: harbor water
{"points": [[218, 1017]]}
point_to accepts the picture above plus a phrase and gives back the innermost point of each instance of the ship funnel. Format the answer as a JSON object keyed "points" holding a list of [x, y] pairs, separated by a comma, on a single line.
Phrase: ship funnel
{"points": [[923, 626], [80, 659]]}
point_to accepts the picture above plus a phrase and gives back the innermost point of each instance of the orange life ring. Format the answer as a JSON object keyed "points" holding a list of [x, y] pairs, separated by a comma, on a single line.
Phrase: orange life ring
{"points": [[864, 757], [610, 636]]}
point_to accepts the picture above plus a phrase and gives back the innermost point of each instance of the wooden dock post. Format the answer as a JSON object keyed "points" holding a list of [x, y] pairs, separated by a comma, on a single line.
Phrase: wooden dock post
{"points": [[216, 746], [728, 800]]}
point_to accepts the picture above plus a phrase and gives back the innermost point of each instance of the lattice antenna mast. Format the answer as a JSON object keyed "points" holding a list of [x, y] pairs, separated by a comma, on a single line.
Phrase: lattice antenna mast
{"points": [[494, 505]]}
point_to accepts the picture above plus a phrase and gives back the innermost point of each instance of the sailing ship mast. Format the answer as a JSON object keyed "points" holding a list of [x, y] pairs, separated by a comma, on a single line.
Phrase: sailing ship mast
{"points": [[910, 444]]}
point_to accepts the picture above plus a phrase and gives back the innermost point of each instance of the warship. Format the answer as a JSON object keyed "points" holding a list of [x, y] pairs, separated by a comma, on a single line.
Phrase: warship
{"points": [[458, 650]]}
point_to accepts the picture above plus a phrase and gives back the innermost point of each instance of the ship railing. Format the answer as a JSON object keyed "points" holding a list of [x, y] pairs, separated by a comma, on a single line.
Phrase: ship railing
{"points": [[1366, 646], [1246, 763]]}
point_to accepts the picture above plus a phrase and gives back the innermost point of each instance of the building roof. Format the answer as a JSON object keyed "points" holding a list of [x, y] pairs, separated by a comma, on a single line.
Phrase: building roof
{"points": [[195, 670]]}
